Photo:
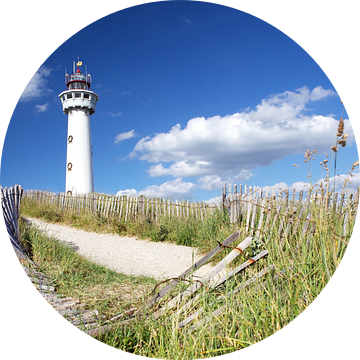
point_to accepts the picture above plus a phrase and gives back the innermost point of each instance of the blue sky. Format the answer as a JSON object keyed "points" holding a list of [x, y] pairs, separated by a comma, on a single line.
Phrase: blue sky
{"points": [[191, 95]]}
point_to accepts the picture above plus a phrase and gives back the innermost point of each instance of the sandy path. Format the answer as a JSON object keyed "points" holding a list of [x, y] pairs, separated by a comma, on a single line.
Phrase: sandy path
{"points": [[126, 255]]}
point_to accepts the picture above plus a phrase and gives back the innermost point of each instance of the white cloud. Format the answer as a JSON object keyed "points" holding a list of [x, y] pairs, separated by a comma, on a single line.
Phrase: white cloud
{"points": [[175, 189], [352, 183], [319, 93], [128, 192], [215, 200], [342, 182], [180, 168], [119, 113], [124, 136], [215, 182], [229, 145], [42, 108], [37, 86], [281, 186]]}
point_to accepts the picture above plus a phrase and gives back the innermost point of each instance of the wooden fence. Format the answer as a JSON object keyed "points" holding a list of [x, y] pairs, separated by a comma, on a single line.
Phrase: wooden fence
{"points": [[123, 207], [251, 206], [260, 213], [275, 215], [215, 277], [233, 200], [70, 308], [10, 204]]}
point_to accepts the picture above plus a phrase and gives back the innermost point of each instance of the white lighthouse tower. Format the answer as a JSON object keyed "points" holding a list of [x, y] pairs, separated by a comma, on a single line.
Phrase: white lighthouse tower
{"points": [[79, 103]]}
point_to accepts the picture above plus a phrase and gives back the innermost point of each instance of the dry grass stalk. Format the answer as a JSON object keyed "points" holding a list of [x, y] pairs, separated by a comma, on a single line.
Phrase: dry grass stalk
{"points": [[340, 135]]}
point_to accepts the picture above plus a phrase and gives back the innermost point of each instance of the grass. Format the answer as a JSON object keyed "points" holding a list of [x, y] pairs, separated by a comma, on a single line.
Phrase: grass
{"points": [[226, 322], [181, 231], [74, 276], [249, 316]]}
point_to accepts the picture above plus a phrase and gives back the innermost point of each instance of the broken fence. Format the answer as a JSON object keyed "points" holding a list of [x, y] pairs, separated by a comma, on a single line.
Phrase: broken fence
{"points": [[244, 203], [74, 311]]}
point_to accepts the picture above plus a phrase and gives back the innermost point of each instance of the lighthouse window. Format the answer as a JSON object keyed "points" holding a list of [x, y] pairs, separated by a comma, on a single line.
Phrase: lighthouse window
{"points": [[78, 95], [69, 96], [86, 96]]}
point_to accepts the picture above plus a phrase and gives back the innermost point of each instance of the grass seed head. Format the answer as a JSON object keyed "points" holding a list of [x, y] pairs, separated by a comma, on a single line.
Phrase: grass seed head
{"points": [[356, 163], [340, 129], [341, 141]]}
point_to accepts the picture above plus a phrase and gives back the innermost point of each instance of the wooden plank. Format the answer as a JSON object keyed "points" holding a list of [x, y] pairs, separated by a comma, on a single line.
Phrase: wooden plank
{"points": [[40, 281], [228, 241], [267, 221], [233, 205], [147, 201], [107, 206], [106, 328], [127, 208], [222, 309], [10, 203], [231, 292], [255, 203], [156, 209], [111, 206], [44, 287], [98, 205], [248, 211], [131, 208], [121, 200], [239, 268], [151, 202], [34, 273], [177, 208], [262, 211], [205, 279]]}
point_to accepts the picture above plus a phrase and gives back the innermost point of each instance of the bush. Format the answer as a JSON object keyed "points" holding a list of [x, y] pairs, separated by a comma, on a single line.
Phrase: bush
{"points": [[52, 215]]}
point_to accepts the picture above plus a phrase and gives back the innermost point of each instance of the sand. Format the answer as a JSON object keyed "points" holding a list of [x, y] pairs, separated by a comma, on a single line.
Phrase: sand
{"points": [[127, 255]]}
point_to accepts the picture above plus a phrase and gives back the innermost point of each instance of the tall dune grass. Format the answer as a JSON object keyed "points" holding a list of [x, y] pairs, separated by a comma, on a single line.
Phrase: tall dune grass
{"points": [[302, 266]]}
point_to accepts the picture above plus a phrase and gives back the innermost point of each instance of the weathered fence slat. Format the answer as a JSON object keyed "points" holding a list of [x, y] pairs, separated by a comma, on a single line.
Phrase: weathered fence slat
{"points": [[229, 240], [233, 292], [222, 309], [10, 203], [69, 308], [244, 205], [239, 268], [205, 279]]}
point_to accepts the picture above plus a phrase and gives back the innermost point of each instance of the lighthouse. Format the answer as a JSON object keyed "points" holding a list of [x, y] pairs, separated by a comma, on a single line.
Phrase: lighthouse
{"points": [[79, 103]]}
